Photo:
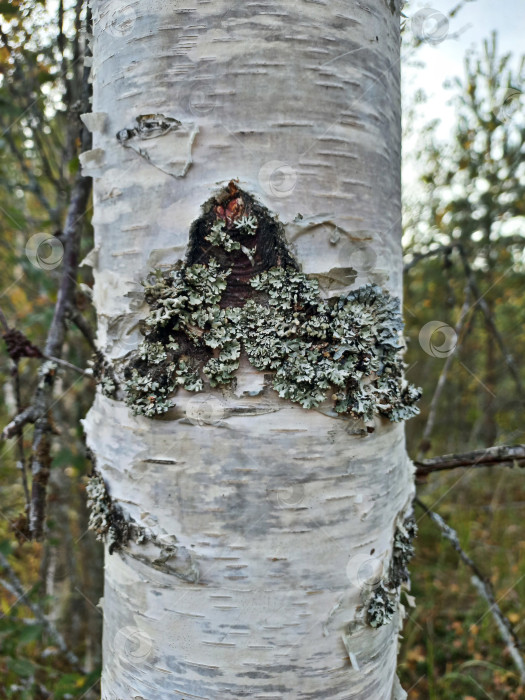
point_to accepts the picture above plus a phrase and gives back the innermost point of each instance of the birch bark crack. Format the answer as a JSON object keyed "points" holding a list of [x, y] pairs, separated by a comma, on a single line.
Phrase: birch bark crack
{"points": [[276, 508]]}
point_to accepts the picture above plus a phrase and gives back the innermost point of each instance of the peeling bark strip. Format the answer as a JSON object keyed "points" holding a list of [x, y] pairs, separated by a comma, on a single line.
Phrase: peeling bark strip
{"points": [[241, 293], [265, 513]]}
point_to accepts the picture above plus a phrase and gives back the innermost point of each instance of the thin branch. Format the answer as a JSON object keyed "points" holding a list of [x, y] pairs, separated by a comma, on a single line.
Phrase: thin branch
{"points": [[484, 588], [417, 257], [16, 588], [489, 320], [83, 326], [28, 415], [480, 300], [443, 376], [3, 321], [509, 455], [34, 185], [69, 365], [53, 348], [21, 461]]}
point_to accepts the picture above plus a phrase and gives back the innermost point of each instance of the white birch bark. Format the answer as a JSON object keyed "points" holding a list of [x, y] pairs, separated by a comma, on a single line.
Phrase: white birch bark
{"points": [[266, 511]]}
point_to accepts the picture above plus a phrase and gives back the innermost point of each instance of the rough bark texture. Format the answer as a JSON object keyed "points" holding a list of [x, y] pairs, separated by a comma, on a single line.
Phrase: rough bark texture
{"points": [[263, 513]]}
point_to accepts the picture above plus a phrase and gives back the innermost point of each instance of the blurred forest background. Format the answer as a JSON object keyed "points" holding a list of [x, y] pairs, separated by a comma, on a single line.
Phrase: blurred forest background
{"points": [[465, 326]]}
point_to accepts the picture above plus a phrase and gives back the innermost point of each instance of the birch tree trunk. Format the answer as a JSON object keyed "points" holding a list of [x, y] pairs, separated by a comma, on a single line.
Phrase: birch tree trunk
{"points": [[268, 525]]}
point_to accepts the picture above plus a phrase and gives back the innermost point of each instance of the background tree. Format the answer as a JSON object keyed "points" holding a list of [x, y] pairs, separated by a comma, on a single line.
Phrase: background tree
{"points": [[464, 313], [50, 630]]}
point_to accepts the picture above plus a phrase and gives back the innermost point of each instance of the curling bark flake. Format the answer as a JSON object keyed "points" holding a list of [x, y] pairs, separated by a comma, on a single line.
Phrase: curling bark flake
{"points": [[254, 532]]}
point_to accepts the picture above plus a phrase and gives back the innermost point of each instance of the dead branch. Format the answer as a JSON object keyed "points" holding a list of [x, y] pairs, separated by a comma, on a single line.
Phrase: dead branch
{"points": [[82, 325], [425, 440], [53, 348], [28, 415], [484, 588], [490, 322], [15, 587], [510, 455]]}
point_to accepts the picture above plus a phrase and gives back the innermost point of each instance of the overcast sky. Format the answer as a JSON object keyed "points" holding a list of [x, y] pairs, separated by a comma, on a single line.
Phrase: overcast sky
{"points": [[444, 59], [442, 56]]}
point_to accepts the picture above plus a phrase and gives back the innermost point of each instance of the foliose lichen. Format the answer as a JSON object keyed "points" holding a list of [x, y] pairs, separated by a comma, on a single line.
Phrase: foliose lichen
{"points": [[104, 374], [403, 551], [382, 604], [382, 607], [107, 519], [240, 291]]}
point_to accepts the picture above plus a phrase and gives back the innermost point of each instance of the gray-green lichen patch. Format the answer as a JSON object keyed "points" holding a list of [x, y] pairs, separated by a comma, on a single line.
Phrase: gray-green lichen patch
{"points": [[112, 526], [383, 602], [382, 606], [107, 519], [240, 291], [104, 374]]}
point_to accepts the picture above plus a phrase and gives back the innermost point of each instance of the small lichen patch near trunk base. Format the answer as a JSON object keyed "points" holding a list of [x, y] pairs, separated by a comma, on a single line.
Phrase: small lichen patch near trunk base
{"points": [[382, 604], [241, 291]]}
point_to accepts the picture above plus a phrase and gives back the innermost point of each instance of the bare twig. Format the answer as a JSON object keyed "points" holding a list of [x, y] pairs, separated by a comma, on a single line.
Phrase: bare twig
{"points": [[15, 587], [417, 257], [480, 301], [53, 348], [509, 455], [39, 412], [484, 588], [21, 461], [28, 415], [82, 325], [69, 365], [443, 376], [489, 320]]}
